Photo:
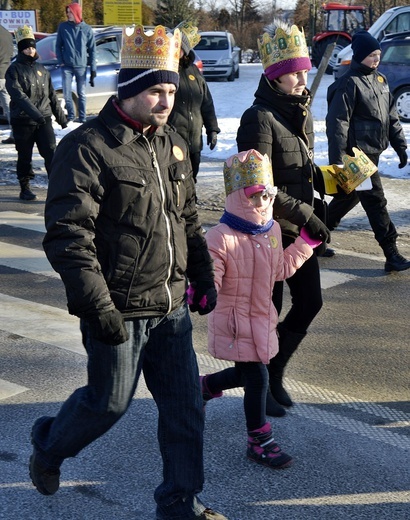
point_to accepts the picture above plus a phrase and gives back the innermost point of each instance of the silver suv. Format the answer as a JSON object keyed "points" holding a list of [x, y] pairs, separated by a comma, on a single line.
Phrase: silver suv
{"points": [[219, 55]]}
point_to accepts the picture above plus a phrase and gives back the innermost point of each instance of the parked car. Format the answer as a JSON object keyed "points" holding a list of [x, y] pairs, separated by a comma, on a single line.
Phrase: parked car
{"points": [[219, 55], [108, 45], [394, 20], [395, 65]]}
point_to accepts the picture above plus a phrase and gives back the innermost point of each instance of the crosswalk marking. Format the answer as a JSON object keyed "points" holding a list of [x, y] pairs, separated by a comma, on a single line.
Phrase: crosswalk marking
{"points": [[33, 222], [41, 323], [26, 259], [8, 389]]}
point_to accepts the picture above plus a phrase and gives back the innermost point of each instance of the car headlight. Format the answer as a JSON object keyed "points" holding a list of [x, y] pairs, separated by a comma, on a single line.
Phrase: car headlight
{"points": [[227, 61]]}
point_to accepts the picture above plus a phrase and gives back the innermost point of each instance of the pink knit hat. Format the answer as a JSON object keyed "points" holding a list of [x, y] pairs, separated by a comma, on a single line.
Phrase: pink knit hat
{"points": [[251, 190]]}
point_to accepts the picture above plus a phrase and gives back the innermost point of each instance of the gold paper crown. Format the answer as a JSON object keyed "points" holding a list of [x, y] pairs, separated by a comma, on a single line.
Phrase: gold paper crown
{"points": [[287, 43], [191, 32], [24, 33], [247, 169], [355, 170], [157, 50]]}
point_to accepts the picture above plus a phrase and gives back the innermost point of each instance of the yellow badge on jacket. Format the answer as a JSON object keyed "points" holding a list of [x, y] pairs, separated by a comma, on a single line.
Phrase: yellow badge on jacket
{"points": [[179, 154], [191, 77], [273, 242]]}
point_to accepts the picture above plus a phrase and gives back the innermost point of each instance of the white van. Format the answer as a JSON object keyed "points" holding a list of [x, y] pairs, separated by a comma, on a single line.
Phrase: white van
{"points": [[219, 55], [394, 20]]}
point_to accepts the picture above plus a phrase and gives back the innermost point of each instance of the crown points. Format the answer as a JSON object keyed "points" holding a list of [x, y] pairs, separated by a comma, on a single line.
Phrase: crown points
{"points": [[247, 169], [24, 33], [155, 49], [191, 32]]}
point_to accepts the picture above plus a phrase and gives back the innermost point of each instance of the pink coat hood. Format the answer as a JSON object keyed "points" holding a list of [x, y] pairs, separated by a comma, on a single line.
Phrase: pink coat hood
{"points": [[243, 325]]}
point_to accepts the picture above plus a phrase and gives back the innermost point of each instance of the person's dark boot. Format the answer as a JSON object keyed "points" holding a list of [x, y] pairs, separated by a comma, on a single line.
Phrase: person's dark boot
{"points": [[288, 343], [25, 190], [394, 260], [273, 408]]}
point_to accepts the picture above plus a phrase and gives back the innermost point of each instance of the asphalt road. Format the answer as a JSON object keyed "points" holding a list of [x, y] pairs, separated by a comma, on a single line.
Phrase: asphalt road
{"points": [[349, 431]]}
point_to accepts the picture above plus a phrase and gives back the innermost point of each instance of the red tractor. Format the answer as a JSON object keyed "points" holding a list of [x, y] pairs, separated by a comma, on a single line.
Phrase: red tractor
{"points": [[339, 22]]}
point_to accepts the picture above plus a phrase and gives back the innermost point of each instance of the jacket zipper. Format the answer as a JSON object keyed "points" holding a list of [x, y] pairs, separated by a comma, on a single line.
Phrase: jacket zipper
{"points": [[167, 223]]}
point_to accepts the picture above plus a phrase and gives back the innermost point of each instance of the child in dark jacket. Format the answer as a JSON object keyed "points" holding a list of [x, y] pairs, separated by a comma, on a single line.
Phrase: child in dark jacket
{"points": [[33, 103]]}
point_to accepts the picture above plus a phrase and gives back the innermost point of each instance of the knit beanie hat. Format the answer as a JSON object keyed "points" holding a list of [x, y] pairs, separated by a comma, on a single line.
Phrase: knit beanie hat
{"points": [[363, 44], [283, 50], [24, 38], [147, 59]]}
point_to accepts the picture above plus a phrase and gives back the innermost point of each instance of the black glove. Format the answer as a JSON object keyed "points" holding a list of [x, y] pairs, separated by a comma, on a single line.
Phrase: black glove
{"points": [[93, 75], [403, 159], [41, 121], [212, 139], [64, 124], [317, 229], [109, 327], [201, 297]]}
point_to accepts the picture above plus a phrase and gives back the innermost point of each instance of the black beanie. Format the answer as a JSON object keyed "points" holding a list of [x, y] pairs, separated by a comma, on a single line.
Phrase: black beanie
{"points": [[25, 44], [363, 44], [132, 82]]}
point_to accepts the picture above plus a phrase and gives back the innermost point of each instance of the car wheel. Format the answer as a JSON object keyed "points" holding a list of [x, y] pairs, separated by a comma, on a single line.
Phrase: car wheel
{"points": [[402, 99], [237, 73], [231, 76]]}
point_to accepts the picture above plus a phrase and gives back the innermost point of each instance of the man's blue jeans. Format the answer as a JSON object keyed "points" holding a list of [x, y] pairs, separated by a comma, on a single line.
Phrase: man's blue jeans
{"points": [[162, 349], [80, 75]]}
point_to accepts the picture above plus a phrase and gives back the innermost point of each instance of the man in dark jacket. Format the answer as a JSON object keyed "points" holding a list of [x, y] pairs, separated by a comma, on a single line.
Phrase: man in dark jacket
{"points": [[6, 53], [75, 50], [362, 114], [194, 106], [124, 235], [33, 103]]}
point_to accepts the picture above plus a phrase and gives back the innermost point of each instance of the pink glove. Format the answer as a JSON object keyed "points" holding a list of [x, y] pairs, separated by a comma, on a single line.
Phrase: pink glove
{"points": [[312, 242]]}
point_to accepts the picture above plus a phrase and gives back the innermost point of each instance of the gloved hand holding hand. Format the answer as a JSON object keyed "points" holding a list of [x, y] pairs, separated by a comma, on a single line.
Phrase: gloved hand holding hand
{"points": [[93, 75], [109, 327], [403, 159], [212, 139], [41, 121], [201, 296], [317, 229], [312, 242]]}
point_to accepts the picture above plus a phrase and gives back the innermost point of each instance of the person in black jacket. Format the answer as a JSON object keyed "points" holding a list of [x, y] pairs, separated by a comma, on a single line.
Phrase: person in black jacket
{"points": [[280, 124], [362, 113], [33, 103], [6, 54], [123, 233], [194, 106]]}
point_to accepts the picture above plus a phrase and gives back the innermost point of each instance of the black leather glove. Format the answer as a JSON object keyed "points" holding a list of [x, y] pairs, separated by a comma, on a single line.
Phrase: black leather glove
{"points": [[403, 159], [109, 327], [317, 229], [201, 297], [41, 121], [212, 139], [93, 75], [64, 124]]}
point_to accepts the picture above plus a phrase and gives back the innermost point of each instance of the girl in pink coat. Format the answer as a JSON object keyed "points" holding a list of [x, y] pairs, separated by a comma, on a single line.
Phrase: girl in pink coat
{"points": [[248, 259]]}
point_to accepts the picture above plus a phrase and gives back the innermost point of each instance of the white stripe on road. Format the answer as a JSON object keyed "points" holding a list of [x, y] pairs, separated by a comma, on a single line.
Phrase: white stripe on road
{"points": [[8, 389], [34, 222], [40, 323], [26, 259]]}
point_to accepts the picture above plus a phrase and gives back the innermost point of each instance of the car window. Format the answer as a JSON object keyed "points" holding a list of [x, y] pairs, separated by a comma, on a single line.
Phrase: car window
{"points": [[46, 48], [400, 24], [212, 43], [397, 54], [108, 51]]}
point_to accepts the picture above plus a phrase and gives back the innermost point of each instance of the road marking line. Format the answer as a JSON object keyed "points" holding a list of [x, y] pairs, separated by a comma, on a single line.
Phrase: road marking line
{"points": [[31, 221], [40, 323], [8, 389], [26, 259]]}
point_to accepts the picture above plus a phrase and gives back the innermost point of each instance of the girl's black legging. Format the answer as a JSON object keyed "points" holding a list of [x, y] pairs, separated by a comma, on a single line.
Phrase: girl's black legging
{"points": [[254, 377]]}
